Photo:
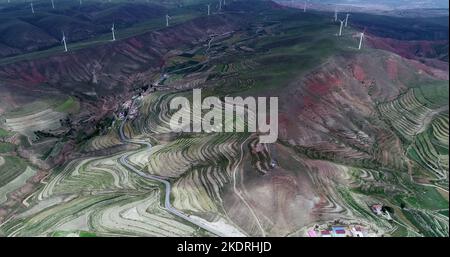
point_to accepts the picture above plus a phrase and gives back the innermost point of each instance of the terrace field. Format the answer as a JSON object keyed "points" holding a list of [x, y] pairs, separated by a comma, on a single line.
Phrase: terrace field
{"points": [[356, 128], [98, 195], [40, 116]]}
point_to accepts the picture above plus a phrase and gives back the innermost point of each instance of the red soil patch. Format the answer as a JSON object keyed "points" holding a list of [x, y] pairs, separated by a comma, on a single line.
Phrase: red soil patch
{"points": [[284, 183], [358, 73], [39, 78], [33, 76], [135, 43], [392, 68], [162, 63], [285, 124], [323, 202], [283, 119], [319, 88], [323, 85]]}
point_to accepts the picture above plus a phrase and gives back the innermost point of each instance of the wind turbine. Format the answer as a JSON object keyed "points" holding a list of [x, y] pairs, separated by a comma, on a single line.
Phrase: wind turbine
{"points": [[361, 36], [81, 1], [167, 20], [340, 28], [113, 34], [346, 19], [220, 5], [304, 6], [32, 8], [209, 9], [335, 15], [64, 42], [53, 5]]}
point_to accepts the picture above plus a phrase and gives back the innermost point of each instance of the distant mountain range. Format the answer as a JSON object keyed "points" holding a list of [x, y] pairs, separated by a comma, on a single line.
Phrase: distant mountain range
{"points": [[384, 4]]}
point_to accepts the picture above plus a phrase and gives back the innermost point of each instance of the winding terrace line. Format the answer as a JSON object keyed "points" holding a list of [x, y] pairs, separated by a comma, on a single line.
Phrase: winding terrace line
{"points": [[168, 206]]}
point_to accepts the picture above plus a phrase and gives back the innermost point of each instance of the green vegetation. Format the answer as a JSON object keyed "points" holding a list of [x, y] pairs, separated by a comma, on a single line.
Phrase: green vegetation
{"points": [[430, 224], [104, 191], [417, 201], [433, 95], [13, 166], [4, 133], [73, 233], [420, 117], [287, 48], [16, 183], [71, 105], [426, 197], [430, 148], [191, 10], [7, 147]]}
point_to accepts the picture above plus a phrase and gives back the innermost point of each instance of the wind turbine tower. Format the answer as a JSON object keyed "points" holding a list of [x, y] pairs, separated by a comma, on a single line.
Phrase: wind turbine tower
{"points": [[64, 42], [209, 9], [220, 5], [304, 6], [361, 36], [113, 34], [53, 4], [32, 8], [167, 20], [335, 15], [346, 19], [340, 28]]}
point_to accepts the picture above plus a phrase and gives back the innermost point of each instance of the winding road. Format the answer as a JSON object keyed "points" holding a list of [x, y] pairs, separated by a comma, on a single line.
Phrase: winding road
{"points": [[168, 206]]}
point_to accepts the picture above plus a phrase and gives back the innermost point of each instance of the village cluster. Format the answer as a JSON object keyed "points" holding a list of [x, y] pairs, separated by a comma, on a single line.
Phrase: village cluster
{"points": [[338, 231]]}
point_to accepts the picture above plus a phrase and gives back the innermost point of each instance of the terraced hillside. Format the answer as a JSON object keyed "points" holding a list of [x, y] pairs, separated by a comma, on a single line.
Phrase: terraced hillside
{"points": [[97, 195], [430, 149], [357, 128], [420, 117]]}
